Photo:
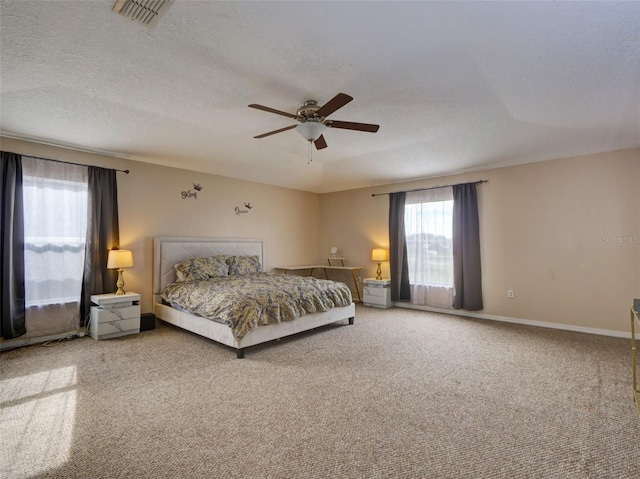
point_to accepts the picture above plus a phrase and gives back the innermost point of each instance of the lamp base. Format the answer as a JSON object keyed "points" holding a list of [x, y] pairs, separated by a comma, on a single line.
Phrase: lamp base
{"points": [[120, 283], [379, 272]]}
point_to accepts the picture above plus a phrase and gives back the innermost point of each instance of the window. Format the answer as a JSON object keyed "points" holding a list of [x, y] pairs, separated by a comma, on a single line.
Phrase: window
{"points": [[429, 236], [56, 212], [55, 230]]}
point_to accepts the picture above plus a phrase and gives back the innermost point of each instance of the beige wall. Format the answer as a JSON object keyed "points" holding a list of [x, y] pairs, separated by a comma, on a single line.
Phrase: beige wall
{"points": [[544, 228], [150, 204], [551, 231]]}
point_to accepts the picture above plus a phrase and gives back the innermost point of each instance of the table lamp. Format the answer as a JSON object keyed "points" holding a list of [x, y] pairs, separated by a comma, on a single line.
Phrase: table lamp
{"points": [[120, 259], [379, 255]]}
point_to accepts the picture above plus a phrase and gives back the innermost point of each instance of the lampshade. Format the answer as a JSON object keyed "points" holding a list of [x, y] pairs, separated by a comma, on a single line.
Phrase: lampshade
{"points": [[311, 130], [120, 258], [379, 254]]}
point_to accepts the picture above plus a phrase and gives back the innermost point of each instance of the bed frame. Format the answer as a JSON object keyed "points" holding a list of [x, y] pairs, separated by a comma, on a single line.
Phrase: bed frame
{"points": [[171, 250]]}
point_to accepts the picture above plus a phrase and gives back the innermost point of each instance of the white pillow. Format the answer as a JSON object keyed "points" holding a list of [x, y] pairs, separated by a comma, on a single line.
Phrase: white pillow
{"points": [[179, 274]]}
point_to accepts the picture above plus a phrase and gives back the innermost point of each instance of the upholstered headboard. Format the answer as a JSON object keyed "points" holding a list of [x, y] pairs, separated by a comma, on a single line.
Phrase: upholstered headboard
{"points": [[171, 250]]}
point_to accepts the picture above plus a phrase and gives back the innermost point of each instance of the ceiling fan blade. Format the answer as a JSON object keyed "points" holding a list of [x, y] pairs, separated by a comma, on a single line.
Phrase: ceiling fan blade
{"points": [[349, 125], [272, 110], [320, 143], [338, 101], [276, 131]]}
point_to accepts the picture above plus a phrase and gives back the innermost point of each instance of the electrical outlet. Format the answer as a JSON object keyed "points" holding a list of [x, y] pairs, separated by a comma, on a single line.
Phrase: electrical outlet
{"points": [[510, 294]]}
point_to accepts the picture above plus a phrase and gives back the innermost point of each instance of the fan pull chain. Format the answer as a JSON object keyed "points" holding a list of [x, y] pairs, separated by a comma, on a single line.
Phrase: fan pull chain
{"points": [[309, 152]]}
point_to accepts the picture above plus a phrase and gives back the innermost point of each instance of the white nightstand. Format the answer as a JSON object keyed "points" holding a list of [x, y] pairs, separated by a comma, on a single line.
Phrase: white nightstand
{"points": [[377, 293], [115, 315]]}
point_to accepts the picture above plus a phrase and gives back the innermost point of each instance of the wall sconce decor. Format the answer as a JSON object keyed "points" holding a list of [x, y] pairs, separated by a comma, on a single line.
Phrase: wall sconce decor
{"points": [[379, 255]]}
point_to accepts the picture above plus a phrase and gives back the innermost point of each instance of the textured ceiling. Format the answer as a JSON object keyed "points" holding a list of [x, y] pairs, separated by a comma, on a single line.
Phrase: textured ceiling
{"points": [[455, 86]]}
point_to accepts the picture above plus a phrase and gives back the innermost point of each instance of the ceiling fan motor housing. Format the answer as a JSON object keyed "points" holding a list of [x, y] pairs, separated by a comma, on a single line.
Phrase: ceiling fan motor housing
{"points": [[307, 112]]}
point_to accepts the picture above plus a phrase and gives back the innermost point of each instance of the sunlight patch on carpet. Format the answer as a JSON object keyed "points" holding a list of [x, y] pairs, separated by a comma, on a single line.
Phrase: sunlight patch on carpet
{"points": [[37, 414]]}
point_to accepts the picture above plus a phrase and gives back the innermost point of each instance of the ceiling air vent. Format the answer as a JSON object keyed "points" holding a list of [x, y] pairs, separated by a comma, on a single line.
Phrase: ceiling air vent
{"points": [[146, 12]]}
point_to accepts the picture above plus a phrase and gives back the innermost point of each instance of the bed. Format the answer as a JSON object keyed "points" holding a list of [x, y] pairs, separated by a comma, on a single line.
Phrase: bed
{"points": [[172, 250]]}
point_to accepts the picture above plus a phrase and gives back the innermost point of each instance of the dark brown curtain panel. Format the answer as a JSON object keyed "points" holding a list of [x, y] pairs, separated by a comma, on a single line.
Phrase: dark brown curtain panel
{"points": [[399, 266], [467, 271], [103, 234], [12, 247]]}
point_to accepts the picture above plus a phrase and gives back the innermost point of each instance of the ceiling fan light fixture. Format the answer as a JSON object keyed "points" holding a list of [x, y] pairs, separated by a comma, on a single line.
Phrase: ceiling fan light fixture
{"points": [[311, 130]]}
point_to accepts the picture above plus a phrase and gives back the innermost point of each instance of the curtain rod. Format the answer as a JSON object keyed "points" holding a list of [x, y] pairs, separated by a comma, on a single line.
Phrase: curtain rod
{"points": [[432, 187], [72, 163]]}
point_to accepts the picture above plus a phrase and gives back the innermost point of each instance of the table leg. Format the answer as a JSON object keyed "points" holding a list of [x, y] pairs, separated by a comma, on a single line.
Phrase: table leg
{"points": [[355, 282]]}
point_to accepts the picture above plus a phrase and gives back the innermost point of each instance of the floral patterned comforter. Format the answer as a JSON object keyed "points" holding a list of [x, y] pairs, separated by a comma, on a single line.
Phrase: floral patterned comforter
{"points": [[243, 302]]}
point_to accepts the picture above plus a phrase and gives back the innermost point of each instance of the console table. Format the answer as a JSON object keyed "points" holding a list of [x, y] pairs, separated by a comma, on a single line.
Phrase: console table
{"points": [[312, 267]]}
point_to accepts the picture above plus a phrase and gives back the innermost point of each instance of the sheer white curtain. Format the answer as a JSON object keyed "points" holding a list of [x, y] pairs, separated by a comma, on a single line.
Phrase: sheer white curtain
{"points": [[429, 233], [55, 224]]}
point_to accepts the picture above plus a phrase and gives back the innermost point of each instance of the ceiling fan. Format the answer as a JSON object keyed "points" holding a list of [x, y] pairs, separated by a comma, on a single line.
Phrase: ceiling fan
{"points": [[312, 120]]}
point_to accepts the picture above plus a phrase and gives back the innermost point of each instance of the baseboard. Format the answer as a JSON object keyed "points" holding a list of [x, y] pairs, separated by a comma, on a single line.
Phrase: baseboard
{"points": [[7, 344], [147, 322], [528, 322]]}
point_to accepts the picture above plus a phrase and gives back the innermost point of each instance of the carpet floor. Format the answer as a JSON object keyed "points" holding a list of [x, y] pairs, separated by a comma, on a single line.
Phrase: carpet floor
{"points": [[399, 394]]}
